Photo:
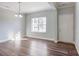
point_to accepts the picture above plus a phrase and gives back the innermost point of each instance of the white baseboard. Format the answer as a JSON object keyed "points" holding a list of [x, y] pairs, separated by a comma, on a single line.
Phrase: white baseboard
{"points": [[1, 41], [66, 42], [51, 39]]}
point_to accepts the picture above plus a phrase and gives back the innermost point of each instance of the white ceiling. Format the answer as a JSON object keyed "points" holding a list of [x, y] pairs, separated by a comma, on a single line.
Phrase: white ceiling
{"points": [[27, 7]]}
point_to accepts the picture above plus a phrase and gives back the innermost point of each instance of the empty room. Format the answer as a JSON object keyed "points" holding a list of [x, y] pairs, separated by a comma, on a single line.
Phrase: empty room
{"points": [[39, 28]]}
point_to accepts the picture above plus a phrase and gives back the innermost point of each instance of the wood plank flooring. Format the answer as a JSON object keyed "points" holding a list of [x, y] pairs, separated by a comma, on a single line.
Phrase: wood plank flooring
{"points": [[36, 47]]}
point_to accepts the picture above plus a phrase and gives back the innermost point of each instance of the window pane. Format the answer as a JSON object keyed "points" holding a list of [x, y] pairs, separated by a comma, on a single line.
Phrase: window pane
{"points": [[32, 29], [40, 28], [35, 29], [36, 21], [40, 20], [39, 24], [35, 25]]}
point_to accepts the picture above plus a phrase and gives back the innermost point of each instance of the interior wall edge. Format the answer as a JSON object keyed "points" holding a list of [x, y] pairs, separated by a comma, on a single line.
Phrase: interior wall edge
{"points": [[77, 48], [50, 39]]}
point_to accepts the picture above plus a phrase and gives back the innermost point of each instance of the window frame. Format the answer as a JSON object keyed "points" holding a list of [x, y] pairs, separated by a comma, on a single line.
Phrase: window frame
{"points": [[39, 24]]}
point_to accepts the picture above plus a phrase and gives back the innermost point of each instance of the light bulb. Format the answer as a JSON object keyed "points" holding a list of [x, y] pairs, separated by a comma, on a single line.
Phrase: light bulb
{"points": [[16, 15], [20, 16]]}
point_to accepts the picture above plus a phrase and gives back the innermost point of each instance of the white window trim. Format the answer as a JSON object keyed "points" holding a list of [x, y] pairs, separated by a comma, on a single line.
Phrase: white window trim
{"points": [[38, 25]]}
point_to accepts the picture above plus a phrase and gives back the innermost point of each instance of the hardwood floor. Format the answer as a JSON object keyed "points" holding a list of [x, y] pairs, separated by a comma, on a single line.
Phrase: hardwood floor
{"points": [[36, 47]]}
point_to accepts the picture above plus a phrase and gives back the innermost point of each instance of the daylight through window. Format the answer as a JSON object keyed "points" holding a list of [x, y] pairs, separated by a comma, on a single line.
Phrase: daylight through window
{"points": [[38, 24]]}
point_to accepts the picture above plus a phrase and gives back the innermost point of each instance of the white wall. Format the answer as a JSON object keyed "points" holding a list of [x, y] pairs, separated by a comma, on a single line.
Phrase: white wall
{"points": [[9, 23], [51, 27], [77, 26], [65, 18]]}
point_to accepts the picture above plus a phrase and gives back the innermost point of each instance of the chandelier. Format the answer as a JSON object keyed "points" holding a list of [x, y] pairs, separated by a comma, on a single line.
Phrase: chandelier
{"points": [[19, 11]]}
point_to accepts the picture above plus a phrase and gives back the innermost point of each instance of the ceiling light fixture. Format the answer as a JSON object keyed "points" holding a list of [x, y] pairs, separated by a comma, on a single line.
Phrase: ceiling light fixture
{"points": [[19, 11]]}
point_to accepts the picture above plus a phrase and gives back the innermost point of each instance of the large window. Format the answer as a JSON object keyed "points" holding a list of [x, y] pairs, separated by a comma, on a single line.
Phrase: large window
{"points": [[38, 24]]}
